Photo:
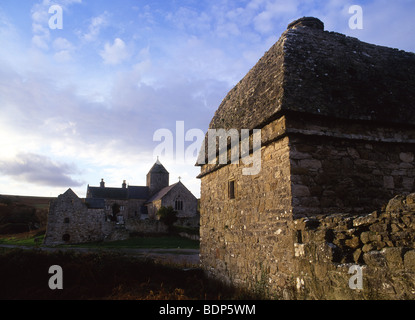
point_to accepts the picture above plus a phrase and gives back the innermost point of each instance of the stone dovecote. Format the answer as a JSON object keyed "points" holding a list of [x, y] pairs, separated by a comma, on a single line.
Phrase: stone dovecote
{"points": [[337, 123]]}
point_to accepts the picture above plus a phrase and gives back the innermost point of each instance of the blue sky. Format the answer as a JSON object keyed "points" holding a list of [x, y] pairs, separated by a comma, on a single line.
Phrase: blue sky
{"points": [[83, 102]]}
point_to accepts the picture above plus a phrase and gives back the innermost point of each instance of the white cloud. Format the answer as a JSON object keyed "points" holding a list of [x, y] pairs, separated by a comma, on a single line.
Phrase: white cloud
{"points": [[266, 20], [62, 44], [40, 18], [115, 53], [64, 50], [94, 28]]}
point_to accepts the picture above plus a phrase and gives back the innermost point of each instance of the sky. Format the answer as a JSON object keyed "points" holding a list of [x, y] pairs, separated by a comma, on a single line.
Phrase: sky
{"points": [[95, 96]]}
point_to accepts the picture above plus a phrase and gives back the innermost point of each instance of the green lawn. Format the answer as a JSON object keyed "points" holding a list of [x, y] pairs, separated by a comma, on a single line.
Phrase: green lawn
{"points": [[21, 242], [163, 242], [172, 242]]}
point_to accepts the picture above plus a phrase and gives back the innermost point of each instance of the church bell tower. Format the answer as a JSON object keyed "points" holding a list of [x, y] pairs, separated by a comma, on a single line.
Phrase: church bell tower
{"points": [[157, 178]]}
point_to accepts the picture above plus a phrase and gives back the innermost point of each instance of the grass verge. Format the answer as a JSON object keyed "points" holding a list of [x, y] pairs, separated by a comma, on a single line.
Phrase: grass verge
{"points": [[28, 239], [35, 238]]}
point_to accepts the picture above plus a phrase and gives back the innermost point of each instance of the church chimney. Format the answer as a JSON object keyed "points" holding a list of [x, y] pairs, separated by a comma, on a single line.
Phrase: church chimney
{"points": [[124, 184], [102, 184]]}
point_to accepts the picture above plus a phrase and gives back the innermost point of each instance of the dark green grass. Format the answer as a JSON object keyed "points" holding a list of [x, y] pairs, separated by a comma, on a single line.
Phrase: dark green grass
{"points": [[110, 276], [166, 242]]}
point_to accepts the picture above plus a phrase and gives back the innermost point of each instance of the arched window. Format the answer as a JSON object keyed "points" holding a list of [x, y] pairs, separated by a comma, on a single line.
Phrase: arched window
{"points": [[178, 204]]}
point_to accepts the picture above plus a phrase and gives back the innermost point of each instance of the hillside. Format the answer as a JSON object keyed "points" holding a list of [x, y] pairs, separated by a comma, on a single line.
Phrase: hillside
{"points": [[20, 214]]}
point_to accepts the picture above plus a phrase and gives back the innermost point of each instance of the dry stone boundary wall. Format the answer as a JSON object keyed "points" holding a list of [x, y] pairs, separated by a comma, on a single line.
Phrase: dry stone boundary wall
{"points": [[381, 243]]}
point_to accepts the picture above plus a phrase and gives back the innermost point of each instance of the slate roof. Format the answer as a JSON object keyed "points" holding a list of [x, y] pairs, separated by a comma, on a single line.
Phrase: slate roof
{"points": [[108, 193], [162, 192], [95, 203], [138, 192], [96, 194], [130, 192]]}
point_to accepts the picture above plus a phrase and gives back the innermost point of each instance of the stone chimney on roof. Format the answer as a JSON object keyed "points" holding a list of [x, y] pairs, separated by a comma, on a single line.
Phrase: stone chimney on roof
{"points": [[309, 22], [102, 184], [124, 184]]}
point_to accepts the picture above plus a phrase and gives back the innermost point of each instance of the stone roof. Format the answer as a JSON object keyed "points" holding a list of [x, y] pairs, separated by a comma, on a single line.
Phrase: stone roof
{"points": [[158, 168], [313, 71]]}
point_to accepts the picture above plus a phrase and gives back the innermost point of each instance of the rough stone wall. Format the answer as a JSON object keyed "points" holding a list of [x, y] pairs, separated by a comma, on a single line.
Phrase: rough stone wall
{"points": [[325, 179], [191, 222], [381, 243], [338, 138], [122, 203], [157, 181], [189, 201], [70, 221], [348, 167], [152, 208], [134, 208], [246, 237], [145, 226]]}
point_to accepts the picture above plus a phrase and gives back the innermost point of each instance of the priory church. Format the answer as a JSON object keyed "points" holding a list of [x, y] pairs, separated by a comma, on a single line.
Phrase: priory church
{"points": [[104, 209]]}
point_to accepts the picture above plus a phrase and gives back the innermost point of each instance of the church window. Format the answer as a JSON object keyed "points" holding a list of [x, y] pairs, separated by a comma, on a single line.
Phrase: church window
{"points": [[231, 189], [178, 205]]}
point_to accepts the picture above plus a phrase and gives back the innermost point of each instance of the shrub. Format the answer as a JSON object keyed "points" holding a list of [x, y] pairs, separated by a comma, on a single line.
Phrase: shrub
{"points": [[168, 216]]}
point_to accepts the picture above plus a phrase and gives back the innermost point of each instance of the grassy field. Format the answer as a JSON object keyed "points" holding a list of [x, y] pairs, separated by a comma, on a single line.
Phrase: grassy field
{"points": [[27, 239], [35, 202], [103, 276], [98, 276], [35, 238], [172, 242], [20, 214]]}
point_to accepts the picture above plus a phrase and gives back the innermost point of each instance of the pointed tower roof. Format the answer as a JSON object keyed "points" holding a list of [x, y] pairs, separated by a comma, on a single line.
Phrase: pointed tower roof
{"points": [[158, 168]]}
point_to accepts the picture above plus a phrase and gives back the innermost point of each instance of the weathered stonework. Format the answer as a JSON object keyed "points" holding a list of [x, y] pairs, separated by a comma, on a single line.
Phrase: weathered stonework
{"points": [[382, 243], [240, 240], [352, 166], [70, 221], [177, 193], [337, 120]]}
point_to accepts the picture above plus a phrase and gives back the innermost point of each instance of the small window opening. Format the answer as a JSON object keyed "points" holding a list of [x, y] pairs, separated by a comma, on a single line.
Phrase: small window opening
{"points": [[299, 237], [231, 189]]}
